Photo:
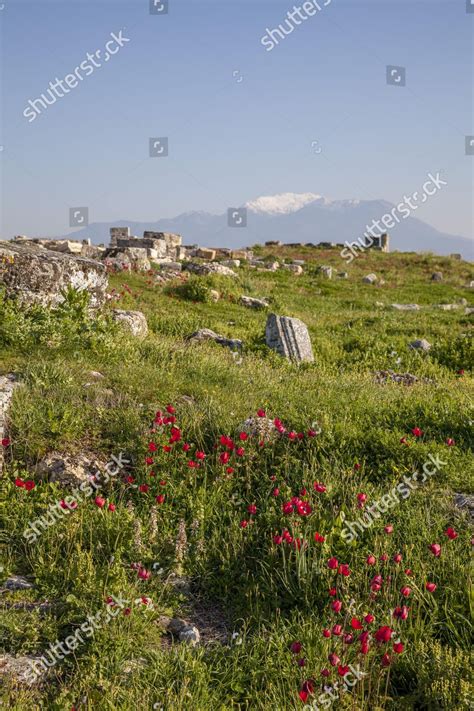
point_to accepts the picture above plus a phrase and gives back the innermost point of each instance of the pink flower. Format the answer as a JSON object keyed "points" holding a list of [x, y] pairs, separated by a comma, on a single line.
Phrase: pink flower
{"points": [[388, 529], [406, 591], [99, 501], [261, 413], [431, 587], [450, 442], [435, 548], [370, 560], [336, 605]]}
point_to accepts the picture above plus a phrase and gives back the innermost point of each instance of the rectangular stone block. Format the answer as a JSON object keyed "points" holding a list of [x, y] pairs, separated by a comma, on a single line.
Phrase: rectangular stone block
{"points": [[289, 337]]}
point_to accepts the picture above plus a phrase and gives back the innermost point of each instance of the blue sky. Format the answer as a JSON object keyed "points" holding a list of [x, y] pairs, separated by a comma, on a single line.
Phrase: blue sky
{"points": [[240, 121]]}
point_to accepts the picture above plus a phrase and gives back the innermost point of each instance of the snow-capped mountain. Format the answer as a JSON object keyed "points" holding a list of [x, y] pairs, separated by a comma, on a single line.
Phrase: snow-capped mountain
{"points": [[293, 217]]}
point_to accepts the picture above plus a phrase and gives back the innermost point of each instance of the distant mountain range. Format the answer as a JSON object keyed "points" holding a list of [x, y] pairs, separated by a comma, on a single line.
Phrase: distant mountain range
{"points": [[293, 217]]}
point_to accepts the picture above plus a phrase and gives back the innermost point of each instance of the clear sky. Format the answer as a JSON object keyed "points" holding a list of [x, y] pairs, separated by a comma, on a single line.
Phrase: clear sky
{"points": [[241, 121]]}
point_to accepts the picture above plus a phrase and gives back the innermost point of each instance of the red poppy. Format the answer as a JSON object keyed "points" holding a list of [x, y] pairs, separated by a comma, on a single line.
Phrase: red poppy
{"points": [[320, 488], [200, 455], [416, 432], [451, 533], [333, 659], [356, 624], [224, 457], [369, 619], [275, 492], [6, 442], [143, 488], [333, 563], [386, 661], [296, 647], [261, 413], [160, 498], [111, 507], [383, 634], [170, 409], [406, 591], [370, 560], [326, 633], [450, 442], [398, 647], [397, 558], [336, 605], [342, 670], [435, 548], [29, 485], [388, 529], [243, 436], [244, 524], [401, 613], [431, 587], [99, 501], [319, 538], [240, 451], [252, 509], [337, 630]]}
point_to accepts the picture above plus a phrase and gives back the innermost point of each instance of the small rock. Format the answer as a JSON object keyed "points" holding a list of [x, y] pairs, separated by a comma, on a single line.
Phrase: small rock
{"points": [[405, 307], [437, 276], [293, 268], [17, 582], [326, 272], [420, 344], [133, 321], [208, 268], [273, 266], [370, 279], [253, 303], [465, 502], [206, 334], [342, 275], [215, 296], [96, 375], [462, 302], [231, 263], [469, 310], [448, 307], [69, 470], [379, 304], [190, 635], [204, 253], [262, 427]]}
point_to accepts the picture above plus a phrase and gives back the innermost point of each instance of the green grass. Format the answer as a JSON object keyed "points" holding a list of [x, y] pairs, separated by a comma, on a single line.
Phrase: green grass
{"points": [[271, 594]]}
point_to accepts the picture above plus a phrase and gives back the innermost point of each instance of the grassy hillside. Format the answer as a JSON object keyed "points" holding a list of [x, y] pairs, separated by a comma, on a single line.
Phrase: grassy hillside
{"points": [[226, 527]]}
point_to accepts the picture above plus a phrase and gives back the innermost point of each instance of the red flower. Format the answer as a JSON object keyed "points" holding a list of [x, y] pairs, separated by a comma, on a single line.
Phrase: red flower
{"points": [[148, 460], [144, 574], [19, 482], [111, 507], [170, 409], [261, 413], [386, 661], [127, 611], [275, 492], [243, 436], [319, 538], [435, 548], [186, 447], [229, 470], [337, 630], [344, 570], [364, 648], [303, 695], [320, 488], [333, 659], [357, 466], [401, 613], [99, 501], [397, 558], [224, 457], [277, 540], [152, 447], [388, 529], [342, 670], [287, 508], [200, 455], [398, 647], [296, 647], [332, 592], [244, 524], [312, 433], [240, 451], [369, 619], [383, 634], [160, 498], [431, 587], [336, 605], [361, 498], [325, 672], [292, 435], [450, 442], [6, 442], [326, 633], [370, 560], [406, 591], [416, 432], [451, 533], [252, 509], [29, 484], [356, 624], [333, 563], [143, 488]]}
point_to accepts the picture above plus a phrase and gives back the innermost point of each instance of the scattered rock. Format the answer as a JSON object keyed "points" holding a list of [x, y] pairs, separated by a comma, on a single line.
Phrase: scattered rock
{"points": [[379, 304], [289, 337], [202, 253], [134, 321], [448, 307], [16, 582], [370, 279], [170, 266], [326, 272], [69, 470], [20, 669], [272, 266], [342, 275], [465, 502], [231, 263], [420, 344], [96, 375], [437, 276], [206, 334], [261, 427], [215, 296], [384, 376], [295, 268], [208, 268], [469, 310], [190, 635], [39, 276], [253, 303], [405, 307]]}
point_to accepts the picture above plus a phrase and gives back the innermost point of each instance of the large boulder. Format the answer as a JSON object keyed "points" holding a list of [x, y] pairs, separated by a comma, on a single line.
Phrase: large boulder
{"points": [[40, 276]]}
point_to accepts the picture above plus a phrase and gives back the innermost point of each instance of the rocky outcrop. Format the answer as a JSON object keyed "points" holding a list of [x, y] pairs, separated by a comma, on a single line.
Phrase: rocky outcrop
{"points": [[208, 268], [35, 275], [69, 470]]}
